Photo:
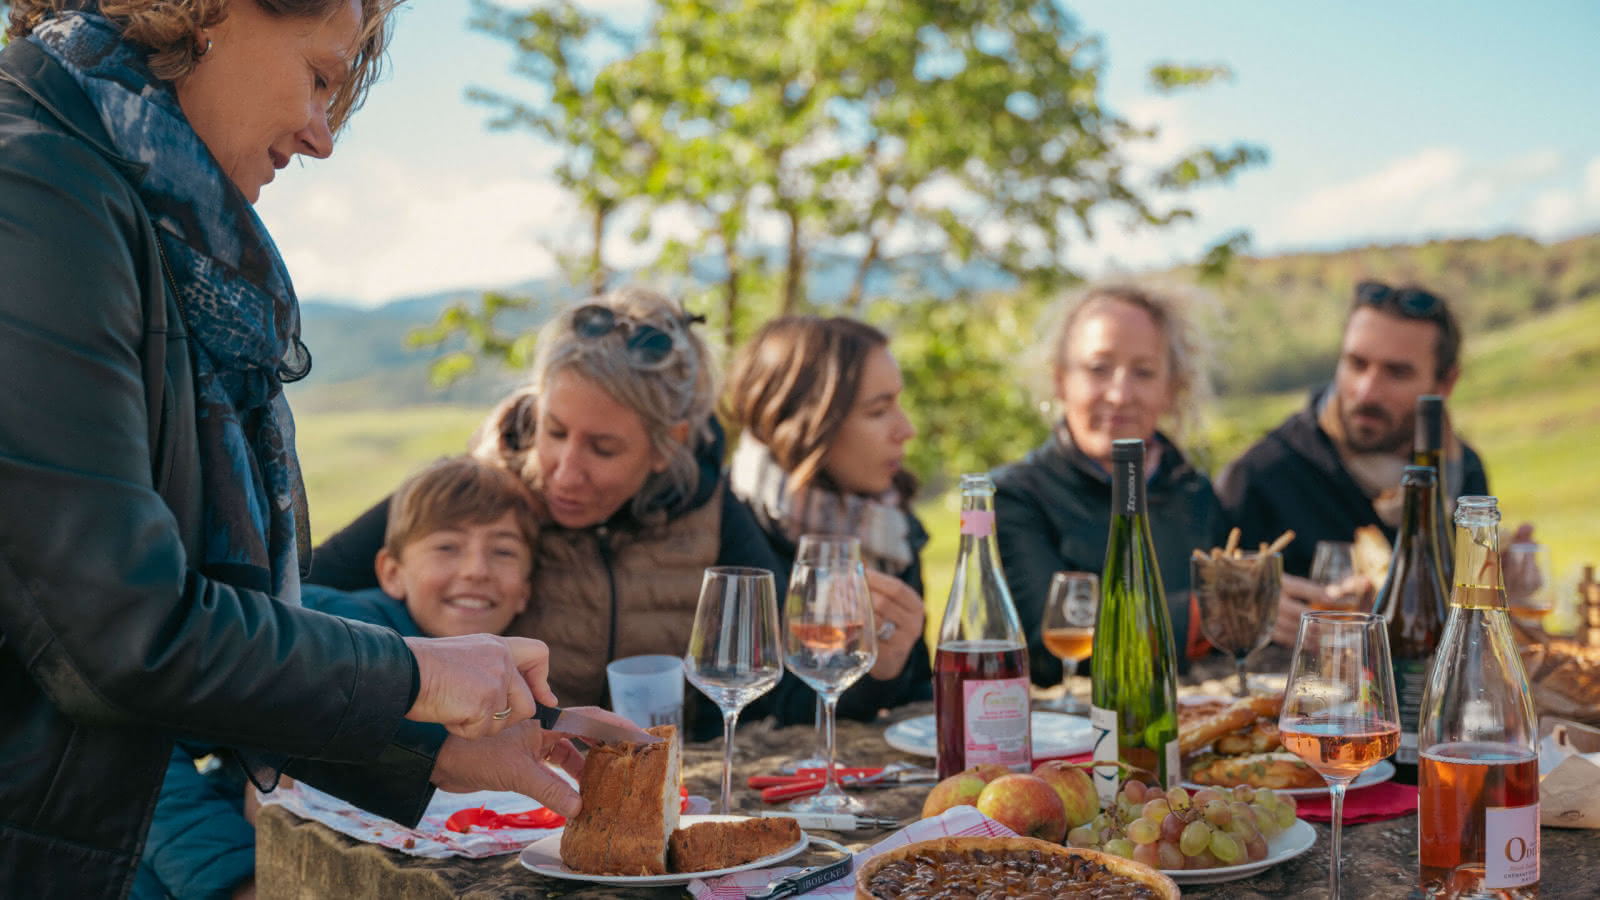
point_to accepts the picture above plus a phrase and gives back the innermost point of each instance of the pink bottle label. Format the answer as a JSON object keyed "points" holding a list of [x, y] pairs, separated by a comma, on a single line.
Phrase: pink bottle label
{"points": [[1510, 846], [977, 522], [996, 714]]}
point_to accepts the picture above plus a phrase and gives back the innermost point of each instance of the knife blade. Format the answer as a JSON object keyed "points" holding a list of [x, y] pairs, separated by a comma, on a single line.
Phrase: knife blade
{"points": [[572, 721]]}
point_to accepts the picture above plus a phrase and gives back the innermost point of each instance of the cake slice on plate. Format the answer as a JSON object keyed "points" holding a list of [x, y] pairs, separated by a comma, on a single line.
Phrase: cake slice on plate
{"points": [[630, 808]]}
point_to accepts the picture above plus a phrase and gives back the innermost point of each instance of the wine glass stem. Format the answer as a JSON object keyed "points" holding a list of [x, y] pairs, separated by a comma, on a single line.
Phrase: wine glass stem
{"points": [[816, 728], [1238, 669], [1336, 789], [828, 704], [729, 719]]}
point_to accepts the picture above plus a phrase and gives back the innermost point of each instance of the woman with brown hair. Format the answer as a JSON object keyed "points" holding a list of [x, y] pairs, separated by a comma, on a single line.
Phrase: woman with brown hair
{"points": [[824, 438], [152, 516]]}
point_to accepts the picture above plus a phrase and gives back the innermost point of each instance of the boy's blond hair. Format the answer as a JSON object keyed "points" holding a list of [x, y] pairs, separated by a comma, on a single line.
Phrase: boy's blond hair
{"points": [[457, 491]]}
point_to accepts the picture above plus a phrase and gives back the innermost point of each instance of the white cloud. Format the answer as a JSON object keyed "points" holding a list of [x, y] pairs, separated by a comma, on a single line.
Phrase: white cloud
{"points": [[1558, 212], [1392, 198]]}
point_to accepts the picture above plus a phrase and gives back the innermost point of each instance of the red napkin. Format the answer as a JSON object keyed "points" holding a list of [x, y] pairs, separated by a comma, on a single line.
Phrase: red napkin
{"points": [[1369, 804], [1074, 758]]}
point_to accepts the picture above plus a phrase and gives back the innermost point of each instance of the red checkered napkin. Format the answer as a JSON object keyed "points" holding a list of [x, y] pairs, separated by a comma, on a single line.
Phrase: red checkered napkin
{"points": [[960, 821]]}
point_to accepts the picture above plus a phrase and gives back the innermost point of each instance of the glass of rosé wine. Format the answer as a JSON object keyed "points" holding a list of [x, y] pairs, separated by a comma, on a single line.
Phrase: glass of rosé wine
{"points": [[1339, 709]]}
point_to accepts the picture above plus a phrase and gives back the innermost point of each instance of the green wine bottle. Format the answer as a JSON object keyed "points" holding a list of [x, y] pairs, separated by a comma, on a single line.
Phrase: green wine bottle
{"points": [[1134, 668], [1427, 449]]}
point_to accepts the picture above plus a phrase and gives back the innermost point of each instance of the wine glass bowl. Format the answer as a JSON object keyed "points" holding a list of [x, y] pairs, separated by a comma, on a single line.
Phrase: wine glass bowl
{"points": [[830, 643], [1340, 713], [1333, 568], [734, 653], [1530, 585], [1237, 596], [1067, 627]]}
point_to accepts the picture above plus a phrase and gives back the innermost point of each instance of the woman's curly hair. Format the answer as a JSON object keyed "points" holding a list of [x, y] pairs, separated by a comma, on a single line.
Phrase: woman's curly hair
{"points": [[169, 29]]}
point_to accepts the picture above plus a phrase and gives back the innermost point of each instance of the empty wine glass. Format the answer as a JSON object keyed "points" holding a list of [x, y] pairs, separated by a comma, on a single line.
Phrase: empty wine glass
{"points": [[1339, 710], [1333, 568], [1068, 627], [735, 649], [1530, 586], [831, 642]]}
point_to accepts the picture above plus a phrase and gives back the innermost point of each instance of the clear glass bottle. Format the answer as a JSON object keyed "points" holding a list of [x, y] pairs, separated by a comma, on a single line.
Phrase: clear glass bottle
{"points": [[1412, 603], [1134, 668], [980, 667], [1478, 785], [1427, 449]]}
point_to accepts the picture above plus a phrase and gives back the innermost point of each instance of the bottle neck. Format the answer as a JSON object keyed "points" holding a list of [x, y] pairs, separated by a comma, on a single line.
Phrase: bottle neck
{"points": [[1416, 517], [1127, 487], [1479, 583]]}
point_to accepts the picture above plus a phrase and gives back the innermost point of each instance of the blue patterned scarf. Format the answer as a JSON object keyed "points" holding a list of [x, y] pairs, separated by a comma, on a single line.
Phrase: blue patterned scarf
{"points": [[237, 303]]}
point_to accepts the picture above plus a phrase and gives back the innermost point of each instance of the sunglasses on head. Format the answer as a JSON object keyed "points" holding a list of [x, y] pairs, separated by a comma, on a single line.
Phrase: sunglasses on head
{"points": [[1413, 303], [646, 345]]}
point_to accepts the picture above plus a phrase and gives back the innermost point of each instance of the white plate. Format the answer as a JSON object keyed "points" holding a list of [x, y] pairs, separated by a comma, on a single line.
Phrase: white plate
{"points": [[1378, 774], [544, 857], [1295, 840], [1054, 734]]}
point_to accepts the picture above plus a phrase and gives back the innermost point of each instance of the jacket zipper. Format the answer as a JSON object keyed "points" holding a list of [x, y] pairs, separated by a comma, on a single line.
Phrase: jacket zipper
{"points": [[166, 269], [603, 544]]}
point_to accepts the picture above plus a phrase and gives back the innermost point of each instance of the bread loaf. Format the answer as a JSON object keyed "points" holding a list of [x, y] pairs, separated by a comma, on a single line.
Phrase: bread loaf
{"points": [[707, 846], [630, 808]]}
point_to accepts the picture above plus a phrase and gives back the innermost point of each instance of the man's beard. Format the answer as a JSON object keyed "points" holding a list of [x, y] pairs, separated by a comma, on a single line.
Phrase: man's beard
{"points": [[1396, 439]]}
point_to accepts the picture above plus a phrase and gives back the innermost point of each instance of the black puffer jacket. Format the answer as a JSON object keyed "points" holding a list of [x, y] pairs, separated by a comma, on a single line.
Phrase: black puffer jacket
{"points": [[1293, 478], [110, 644], [1053, 513]]}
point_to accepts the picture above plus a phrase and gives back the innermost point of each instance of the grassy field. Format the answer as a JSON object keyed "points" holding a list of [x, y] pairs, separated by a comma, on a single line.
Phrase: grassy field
{"points": [[1529, 400]]}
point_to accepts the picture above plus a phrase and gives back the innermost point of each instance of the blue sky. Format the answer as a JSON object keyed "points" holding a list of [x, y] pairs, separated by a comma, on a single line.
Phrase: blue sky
{"points": [[1438, 119]]}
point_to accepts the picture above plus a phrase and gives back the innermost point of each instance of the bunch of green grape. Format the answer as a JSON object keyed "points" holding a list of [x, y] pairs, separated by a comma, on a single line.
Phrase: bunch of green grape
{"points": [[1177, 830]]}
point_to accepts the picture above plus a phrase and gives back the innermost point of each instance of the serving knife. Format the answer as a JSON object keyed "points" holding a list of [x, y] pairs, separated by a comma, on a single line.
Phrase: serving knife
{"points": [[584, 725], [808, 879]]}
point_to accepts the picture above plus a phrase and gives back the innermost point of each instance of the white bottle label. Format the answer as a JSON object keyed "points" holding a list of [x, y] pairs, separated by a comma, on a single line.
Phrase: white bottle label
{"points": [[1510, 846], [1103, 724], [1174, 772], [998, 727]]}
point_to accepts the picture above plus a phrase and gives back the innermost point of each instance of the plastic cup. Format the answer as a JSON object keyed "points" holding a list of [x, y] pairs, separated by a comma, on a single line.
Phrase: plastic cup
{"points": [[647, 690]]}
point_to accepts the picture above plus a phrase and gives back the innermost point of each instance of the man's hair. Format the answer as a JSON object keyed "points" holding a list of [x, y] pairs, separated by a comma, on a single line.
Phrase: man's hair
{"points": [[453, 493], [1411, 301], [167, 28]]}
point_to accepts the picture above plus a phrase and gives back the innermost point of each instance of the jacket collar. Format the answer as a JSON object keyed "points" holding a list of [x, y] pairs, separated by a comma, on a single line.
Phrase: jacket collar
{"points": [[25, 65], [1301, 433], [1063, 453]]}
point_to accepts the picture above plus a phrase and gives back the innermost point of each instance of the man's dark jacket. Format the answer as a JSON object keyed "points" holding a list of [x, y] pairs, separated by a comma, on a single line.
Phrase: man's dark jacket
{"points": [[1053, 513], [111, 643], [1293, 478]]}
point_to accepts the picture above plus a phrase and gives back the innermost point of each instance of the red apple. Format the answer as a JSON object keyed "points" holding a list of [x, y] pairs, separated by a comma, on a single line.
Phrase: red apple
{"points": [[1026, 805], [960, 789], [989, 771], [1076, 789]]}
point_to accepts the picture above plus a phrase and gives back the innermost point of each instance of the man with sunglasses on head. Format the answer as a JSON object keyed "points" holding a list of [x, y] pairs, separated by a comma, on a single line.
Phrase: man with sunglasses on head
{"points": [[1335, 465]]}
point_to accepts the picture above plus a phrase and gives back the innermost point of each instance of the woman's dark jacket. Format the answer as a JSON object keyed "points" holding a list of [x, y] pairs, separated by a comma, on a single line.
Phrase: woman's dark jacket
{"points": [[200, 845], [796, 703], [346, 561], [110, 644], [1053, 513]]}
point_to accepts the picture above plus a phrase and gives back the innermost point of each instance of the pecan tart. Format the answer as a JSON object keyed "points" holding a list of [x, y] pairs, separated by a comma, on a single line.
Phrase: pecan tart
{"points": [[967, 868]]}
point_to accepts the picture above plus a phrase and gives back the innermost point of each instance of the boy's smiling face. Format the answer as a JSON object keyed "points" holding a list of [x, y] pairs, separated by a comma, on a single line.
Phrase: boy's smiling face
{"points": [[466, 579]]}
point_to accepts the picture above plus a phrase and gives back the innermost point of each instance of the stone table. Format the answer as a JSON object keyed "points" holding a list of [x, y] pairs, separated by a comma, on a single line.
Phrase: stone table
{"points": [[300, 860]]}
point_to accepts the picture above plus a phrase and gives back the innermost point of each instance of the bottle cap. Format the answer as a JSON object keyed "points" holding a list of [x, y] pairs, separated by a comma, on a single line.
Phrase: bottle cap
{"points": [[1419, 474], [1127, 450]]}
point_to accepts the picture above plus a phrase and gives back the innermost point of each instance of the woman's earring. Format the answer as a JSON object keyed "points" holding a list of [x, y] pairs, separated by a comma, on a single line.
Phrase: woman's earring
{"points": [[202, 51]]}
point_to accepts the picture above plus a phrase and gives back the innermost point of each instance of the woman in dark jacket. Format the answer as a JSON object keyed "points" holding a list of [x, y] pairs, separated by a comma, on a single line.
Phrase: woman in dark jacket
{"points": [[151, 512], [824, 435], [614, 432], [1121, 360]]}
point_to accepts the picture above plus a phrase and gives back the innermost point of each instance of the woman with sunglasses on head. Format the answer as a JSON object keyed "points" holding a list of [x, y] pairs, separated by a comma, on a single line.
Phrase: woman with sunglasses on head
{"points": [[152, 517], [1122, 360], [823, 439], [614, 431]]}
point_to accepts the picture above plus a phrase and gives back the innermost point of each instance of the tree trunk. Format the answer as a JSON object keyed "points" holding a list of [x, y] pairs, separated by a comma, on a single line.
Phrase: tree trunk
{"points": [[858, 287], [597, 275], [794, 277], [730, 299]]}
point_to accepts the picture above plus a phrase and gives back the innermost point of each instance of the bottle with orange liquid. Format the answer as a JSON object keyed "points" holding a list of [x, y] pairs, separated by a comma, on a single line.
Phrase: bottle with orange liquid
{"points": [[1478, 778]]}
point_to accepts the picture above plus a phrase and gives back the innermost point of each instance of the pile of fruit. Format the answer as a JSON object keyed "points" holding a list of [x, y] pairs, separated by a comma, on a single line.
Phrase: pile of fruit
{"points": [[1178, 830], [1172, 829]]}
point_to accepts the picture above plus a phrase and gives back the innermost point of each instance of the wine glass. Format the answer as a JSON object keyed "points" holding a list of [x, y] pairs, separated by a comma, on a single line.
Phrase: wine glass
{"points": [[1068, 627], [1333, 568], [1339, 709], [1530, 586], [734, 648], [1237, 597], [815, 548], [831, 642]]}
